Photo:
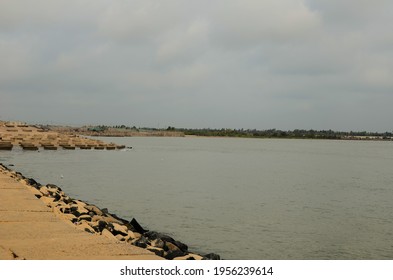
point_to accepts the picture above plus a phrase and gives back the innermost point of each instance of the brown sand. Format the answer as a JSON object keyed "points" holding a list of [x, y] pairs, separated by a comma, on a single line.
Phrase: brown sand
{"points": [[30, 230]]}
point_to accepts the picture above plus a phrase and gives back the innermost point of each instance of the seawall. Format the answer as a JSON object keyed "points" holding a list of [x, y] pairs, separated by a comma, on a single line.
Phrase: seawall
{"points": [[30, 229], [42, 222]]}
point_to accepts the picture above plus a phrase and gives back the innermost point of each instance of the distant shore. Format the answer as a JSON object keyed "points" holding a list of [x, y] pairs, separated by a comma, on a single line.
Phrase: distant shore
{"points": [[125, 131], [70, 137]]}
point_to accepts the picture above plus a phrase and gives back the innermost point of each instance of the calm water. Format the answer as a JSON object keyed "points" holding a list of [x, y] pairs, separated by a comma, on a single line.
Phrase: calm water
{"points": [[240, 198]]}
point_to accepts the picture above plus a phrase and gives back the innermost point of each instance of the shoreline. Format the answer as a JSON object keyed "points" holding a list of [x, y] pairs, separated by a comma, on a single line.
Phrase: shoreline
{"points": [[87, 220]]}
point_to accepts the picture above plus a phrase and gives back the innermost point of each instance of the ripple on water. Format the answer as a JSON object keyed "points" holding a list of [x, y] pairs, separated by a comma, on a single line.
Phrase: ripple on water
{"points": [[240, 198]]}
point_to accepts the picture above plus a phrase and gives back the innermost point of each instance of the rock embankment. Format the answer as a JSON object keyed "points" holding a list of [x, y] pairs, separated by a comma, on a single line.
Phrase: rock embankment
{"points": [[94, 220]]}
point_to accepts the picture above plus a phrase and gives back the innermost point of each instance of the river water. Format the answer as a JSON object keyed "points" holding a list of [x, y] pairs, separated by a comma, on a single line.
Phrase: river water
{"points": [[240, 198]]}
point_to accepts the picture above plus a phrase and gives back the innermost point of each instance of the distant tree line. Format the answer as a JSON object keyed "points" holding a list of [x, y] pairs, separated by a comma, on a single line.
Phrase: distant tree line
{"points": [[124, 127], [276, 133], [100, 128], [255, 133]]}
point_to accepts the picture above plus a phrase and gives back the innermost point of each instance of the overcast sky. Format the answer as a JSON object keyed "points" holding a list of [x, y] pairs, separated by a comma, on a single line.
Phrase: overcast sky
{"points": [[285, 64]]}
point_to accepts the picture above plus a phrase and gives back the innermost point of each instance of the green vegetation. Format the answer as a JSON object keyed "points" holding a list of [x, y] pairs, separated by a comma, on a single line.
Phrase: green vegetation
{"points": [[99, 128], [246, 133], [275, 133]]}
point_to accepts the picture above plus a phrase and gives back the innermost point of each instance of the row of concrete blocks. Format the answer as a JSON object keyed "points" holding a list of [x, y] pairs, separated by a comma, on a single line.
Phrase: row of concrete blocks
{"points": [[32, 147]]}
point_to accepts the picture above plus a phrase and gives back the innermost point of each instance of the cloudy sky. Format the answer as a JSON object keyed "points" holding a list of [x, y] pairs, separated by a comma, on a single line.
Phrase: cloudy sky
{"points": [[285, 64]]}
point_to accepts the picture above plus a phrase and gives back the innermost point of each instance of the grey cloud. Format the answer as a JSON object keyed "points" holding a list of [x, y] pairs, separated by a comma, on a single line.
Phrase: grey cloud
{"points": [[253, 64], [140, 21], [236, 25], [350, 12]]}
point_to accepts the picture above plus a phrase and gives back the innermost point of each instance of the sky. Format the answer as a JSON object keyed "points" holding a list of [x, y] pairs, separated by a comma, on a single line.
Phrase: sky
{"points": [[253, 64]]}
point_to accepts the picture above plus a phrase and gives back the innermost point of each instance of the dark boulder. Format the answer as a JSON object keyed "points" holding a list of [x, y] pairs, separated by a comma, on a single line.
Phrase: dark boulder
{"points": [[96, 229], [211, 256], [52, 186], [65, 209], [56, 196], [102, 225], [170, 255], [19, 176], [141, 242], [33, 183], [137, 227], [110, 227], [169, 246], [84, 217], [67, 199], [76, 213], [180, 245], [88, 230], [152, 235], [158, 252], [159, 243]]}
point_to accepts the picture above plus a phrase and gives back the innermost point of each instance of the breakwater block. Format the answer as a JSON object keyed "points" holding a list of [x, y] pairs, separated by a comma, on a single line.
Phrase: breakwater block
{"points": [[137, 227]]}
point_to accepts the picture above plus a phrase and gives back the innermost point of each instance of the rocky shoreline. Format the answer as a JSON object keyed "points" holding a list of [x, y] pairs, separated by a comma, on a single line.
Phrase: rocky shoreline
{"points": [[94, 220]]}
